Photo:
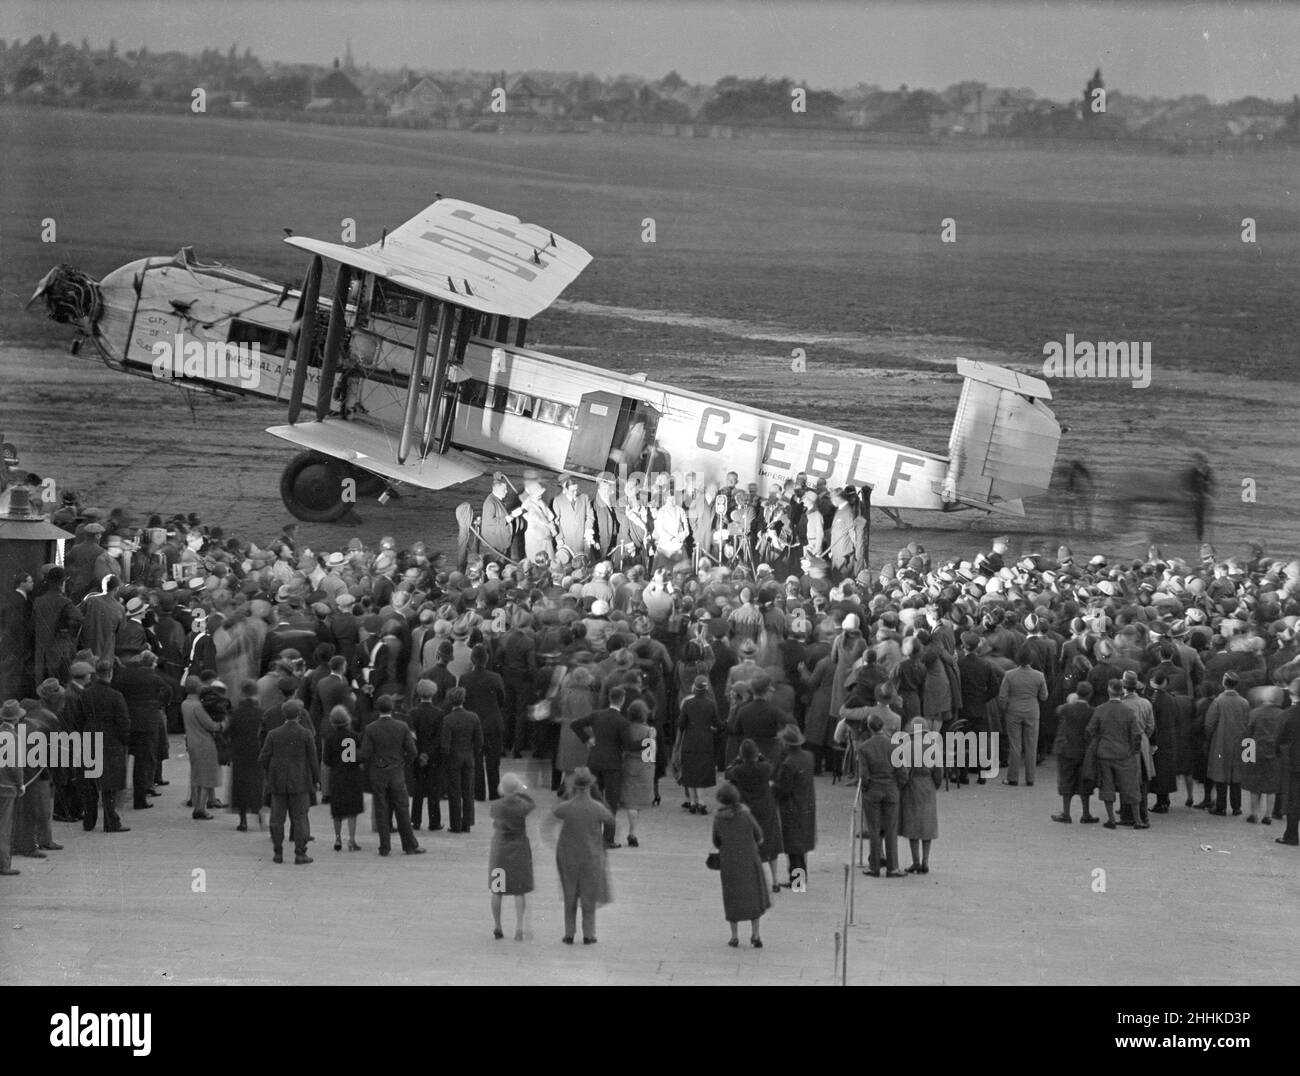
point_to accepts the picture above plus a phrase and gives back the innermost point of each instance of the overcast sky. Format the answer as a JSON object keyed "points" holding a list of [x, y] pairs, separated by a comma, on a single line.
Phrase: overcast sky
{"points": [[1164, 49]]}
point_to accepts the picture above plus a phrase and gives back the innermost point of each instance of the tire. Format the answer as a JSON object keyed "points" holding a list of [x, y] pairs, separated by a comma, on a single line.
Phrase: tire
{"points": [[311, 486]]}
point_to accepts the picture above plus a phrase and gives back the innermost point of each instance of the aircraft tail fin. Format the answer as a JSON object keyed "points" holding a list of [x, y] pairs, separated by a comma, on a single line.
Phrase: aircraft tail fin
{"points": [[1004, 438]]}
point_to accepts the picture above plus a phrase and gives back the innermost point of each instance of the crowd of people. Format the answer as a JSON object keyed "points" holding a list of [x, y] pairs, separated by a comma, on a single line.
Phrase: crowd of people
{"points": [[631, 648]]}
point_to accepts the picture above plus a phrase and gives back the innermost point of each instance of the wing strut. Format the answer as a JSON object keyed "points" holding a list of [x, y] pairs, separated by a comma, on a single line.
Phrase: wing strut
{"points": [[454, 318], [417, 376], [306, 336], [333, 342]]}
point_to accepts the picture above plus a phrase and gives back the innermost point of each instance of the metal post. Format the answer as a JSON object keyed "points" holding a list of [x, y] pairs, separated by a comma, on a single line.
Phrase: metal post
{"points": [[423, 326], [306, 336], [446, 332], [333, 341]]}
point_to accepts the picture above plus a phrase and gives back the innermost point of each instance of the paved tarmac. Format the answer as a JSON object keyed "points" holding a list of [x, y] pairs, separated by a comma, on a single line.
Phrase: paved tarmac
{"points": [[1011, 898]]}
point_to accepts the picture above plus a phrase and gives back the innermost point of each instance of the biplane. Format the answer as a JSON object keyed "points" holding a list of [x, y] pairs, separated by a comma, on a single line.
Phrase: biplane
{"points": [[406, 365]]}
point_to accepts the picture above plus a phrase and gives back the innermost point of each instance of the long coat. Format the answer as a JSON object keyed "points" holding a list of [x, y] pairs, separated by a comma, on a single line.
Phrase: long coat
{"points": [[818, 725], [102, 709], [572, 703], [736, 836], [796, 801], [918, 804], [1225, 725], [1165, 743], [1262, 725], [580, 849], [753, 780], [511, 853], [638, 775], [244, 736], [199, 744], [697, 723], [347, 782]]}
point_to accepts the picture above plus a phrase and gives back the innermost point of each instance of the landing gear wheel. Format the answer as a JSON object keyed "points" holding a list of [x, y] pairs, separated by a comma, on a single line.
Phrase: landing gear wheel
{"points": [[311, 487]]}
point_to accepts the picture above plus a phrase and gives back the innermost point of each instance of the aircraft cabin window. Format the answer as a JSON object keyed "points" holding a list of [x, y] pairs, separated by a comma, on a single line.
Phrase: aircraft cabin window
{"points": [[269, 341], [547, 411], [568, 415], [519, 404]]}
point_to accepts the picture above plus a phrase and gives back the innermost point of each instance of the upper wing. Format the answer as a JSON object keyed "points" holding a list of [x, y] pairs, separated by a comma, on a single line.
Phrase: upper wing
{"points": [[467, 254], [373, 450]]}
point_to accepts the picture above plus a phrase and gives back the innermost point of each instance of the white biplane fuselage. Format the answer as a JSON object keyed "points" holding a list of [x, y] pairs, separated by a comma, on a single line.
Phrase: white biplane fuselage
{"points": [[415, 371]]}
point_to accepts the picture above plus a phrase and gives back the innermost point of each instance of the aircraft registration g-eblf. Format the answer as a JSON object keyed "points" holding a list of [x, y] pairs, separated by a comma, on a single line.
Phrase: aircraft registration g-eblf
{"points": [[413, 370]]}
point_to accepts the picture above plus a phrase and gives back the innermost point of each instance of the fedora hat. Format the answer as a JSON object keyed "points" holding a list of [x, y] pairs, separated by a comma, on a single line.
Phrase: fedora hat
{"points": [[790, 735], [12, 711]]}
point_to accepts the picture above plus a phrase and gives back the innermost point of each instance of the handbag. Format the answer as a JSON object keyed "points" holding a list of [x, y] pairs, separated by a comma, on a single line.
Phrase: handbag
{"points": [[713, 861]]}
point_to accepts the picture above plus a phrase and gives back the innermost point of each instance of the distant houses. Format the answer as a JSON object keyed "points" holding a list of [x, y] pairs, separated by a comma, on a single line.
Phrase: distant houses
{"points": [[48, 70]]}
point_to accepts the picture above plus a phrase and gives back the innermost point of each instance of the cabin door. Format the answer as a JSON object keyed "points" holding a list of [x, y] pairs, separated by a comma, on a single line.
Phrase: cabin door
{"points": [[610, 431]]}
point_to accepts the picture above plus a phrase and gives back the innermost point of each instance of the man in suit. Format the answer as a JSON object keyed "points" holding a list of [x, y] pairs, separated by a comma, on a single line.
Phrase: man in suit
{"points": [[881, 781], [101, 709], [461, 740], [498, 520], [1118, 733], [604, 514], [759, 720], [485, 695], [980, 682], [386, 748], [1070, 746], [426, 724], [292, 773], [1023, 689], [606, 733], [56, 622], [16, 637], [146, 694]]}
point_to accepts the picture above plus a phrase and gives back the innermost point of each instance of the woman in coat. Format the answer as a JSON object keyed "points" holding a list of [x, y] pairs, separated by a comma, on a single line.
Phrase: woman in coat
{"points": [[736, 836], [1260, 771], [576, 699], [918, 805], [342, 752], [205, 772], [580, 856], [751, 773], [638, 767], [909, 677], [245, 745], [697, 724], [797, 804], [818, 725], [510, 862]]}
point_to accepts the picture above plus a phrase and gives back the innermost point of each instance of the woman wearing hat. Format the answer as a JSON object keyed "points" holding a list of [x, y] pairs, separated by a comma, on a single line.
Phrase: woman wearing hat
{"points": [[638, 766], [575, 699], [510, 862], [697, 727], [751, 773], [342, 751], [918, 807], [580, 856], [797, 803], [243, 736], [201, 744], [736, 836]]}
